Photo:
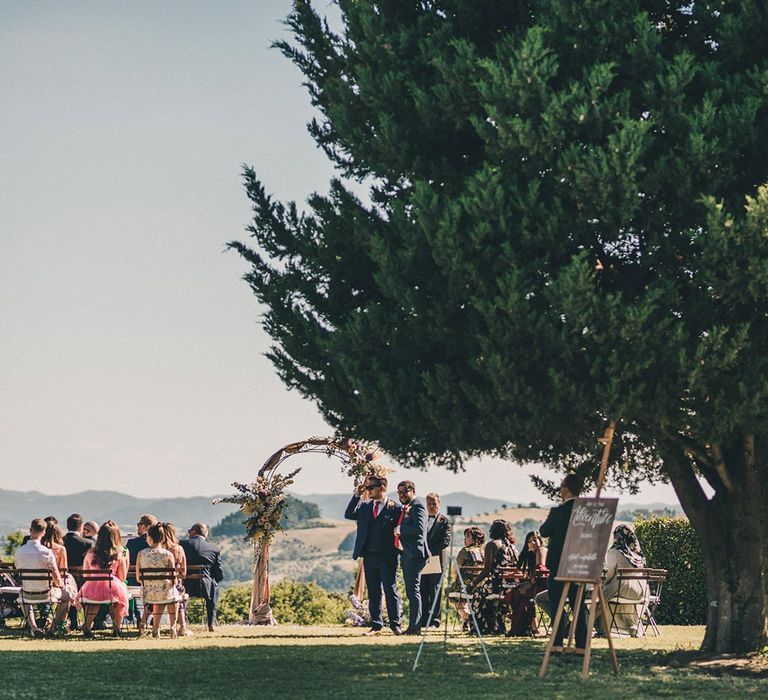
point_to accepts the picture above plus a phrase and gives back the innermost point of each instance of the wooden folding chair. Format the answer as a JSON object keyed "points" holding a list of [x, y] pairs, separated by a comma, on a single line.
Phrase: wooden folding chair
{"points": [[652, 581], [36, 586], [193, 585], [90, 604]]}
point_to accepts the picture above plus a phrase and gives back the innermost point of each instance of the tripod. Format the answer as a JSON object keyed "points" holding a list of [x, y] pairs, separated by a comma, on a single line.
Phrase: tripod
{"points": [[447, 589]]}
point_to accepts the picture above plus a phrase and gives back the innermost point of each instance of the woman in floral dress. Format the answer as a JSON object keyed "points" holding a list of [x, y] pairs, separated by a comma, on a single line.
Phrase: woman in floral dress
{"points": [[160, 593]]}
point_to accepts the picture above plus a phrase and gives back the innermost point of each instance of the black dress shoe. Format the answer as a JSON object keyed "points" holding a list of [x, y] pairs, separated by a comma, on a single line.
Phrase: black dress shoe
{"points": [[396, 631], [413, 630]]}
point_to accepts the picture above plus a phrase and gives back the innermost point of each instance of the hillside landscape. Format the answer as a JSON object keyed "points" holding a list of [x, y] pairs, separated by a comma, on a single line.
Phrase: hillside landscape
{"points": [[315, 546]]}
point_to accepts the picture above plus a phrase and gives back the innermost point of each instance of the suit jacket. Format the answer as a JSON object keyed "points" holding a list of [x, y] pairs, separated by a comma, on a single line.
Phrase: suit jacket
{"points": [[555, 527], [413, 530], [201, 552], [439, 537], [76, 547], [373, 534]]}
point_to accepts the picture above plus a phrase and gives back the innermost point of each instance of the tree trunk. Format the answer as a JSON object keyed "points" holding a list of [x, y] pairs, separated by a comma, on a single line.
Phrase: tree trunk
{"points": [[733, 531]]}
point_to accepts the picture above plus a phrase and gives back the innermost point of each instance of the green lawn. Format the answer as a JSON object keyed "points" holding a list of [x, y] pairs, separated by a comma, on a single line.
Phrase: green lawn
{"points": [[335, 662]]}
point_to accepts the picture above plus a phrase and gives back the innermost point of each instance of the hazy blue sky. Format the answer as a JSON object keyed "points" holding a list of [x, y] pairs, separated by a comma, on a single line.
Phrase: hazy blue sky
{"points": [[131, 355]]}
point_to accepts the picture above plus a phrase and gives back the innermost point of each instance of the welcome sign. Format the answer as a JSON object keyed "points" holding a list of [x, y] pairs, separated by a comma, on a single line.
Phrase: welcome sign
{"points": [[586, 541]]}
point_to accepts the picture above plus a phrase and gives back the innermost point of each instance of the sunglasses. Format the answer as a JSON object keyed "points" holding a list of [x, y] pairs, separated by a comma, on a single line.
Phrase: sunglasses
{"points": [[370, 487]]}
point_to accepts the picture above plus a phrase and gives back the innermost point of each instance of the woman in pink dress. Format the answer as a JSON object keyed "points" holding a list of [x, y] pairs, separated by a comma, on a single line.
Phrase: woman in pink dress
{"points": [[107, 555]]}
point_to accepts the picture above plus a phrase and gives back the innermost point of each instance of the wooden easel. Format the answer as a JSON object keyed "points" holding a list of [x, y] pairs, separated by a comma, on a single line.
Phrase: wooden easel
{"points": [[597, 596]]}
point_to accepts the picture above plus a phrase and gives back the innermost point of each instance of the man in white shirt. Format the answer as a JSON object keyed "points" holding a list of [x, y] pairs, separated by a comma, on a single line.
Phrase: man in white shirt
{"points": [[34, 555]]}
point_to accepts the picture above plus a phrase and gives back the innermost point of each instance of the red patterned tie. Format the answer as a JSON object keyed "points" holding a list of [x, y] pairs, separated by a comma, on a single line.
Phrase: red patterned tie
{"points": [[376, 507]]}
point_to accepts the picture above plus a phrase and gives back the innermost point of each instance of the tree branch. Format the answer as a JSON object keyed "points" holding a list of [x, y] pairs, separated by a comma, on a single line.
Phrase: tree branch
{"points": [[687, 488]]}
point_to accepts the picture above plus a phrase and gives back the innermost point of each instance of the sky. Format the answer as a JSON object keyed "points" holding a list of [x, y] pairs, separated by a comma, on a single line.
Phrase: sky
{"points": [[132, 357]]}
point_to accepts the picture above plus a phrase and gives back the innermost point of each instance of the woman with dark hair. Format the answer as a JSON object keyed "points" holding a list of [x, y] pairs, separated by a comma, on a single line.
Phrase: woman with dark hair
{"points": [[160, 593], [109, 556], [624, 553], [471, 554], [522, 610], [487, 587]]}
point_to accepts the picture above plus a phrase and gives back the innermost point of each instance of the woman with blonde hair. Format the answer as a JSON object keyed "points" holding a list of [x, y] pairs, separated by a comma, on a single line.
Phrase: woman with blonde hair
{"points": [[107, 555]]}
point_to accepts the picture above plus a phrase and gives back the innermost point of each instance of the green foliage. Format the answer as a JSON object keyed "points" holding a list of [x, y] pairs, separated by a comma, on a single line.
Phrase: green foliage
{"points": [[12, 541], [297, 514], [234, 604], [672, 544], [539, 251], [306, 604]]}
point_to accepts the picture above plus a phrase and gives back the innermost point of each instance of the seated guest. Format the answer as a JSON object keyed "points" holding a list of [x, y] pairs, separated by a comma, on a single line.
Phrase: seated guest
{"points": [[74, 541], [171, 543], [135, 545], [487, 588], [34, 555], [531, 562], [512, 541], [160, 593], [53, 538], [107, 555], [624, 553], [76, 545], [471, 554], [201, 552], [90, 530]]}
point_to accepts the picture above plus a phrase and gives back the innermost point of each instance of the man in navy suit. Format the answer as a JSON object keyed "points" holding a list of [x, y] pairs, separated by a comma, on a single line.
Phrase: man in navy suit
{"points": [[201, 552], [375, 542], [555, 527], [415, 552]]}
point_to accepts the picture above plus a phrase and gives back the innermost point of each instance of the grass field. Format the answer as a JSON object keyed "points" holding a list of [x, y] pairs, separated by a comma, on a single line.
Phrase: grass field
{"points": [[335, 662]]}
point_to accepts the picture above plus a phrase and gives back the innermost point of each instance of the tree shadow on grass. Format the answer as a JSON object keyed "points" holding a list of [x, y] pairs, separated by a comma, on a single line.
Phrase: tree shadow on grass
{"points": [[302, 672]]}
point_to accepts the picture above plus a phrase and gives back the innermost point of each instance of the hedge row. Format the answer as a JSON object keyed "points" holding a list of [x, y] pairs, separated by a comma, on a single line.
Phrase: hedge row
{"points": [[672, 544]]}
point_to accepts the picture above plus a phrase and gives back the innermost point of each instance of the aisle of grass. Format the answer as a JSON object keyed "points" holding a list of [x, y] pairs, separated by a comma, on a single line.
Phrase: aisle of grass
{"points": [[303, 663]]}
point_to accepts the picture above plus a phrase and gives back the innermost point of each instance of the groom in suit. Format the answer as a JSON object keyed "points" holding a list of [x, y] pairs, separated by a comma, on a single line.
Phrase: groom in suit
{"points": [[413, 542], [375, 542]]}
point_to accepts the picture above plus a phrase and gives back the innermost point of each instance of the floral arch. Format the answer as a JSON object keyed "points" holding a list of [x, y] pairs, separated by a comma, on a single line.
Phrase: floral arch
{"points": [[263, 502]]}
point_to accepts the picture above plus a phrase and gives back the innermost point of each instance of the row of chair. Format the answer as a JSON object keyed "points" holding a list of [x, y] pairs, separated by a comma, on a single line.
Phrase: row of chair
{"points": [[21, 589], [645, 609]]}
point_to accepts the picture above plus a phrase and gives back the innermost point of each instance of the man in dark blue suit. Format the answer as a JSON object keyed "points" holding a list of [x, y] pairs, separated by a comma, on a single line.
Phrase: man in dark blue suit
{"points": [[555, 527], [201, 552], [375, 542], [415, 552]]}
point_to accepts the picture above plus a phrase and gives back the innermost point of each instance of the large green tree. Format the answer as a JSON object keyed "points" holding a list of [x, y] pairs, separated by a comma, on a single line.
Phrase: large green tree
{"points": [[566, 224]]}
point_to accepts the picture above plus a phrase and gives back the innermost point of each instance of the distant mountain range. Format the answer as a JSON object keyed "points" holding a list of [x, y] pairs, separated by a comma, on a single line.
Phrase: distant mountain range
{"points": [[17, 508]]}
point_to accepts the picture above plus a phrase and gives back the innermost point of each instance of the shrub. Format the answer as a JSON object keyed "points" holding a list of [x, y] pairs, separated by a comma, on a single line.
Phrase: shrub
{"points": [[306, 604], [672, 544]]}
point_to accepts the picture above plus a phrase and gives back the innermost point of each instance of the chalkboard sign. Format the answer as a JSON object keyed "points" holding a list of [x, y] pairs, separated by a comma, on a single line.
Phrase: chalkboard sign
{"points": [[586, 541]]}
